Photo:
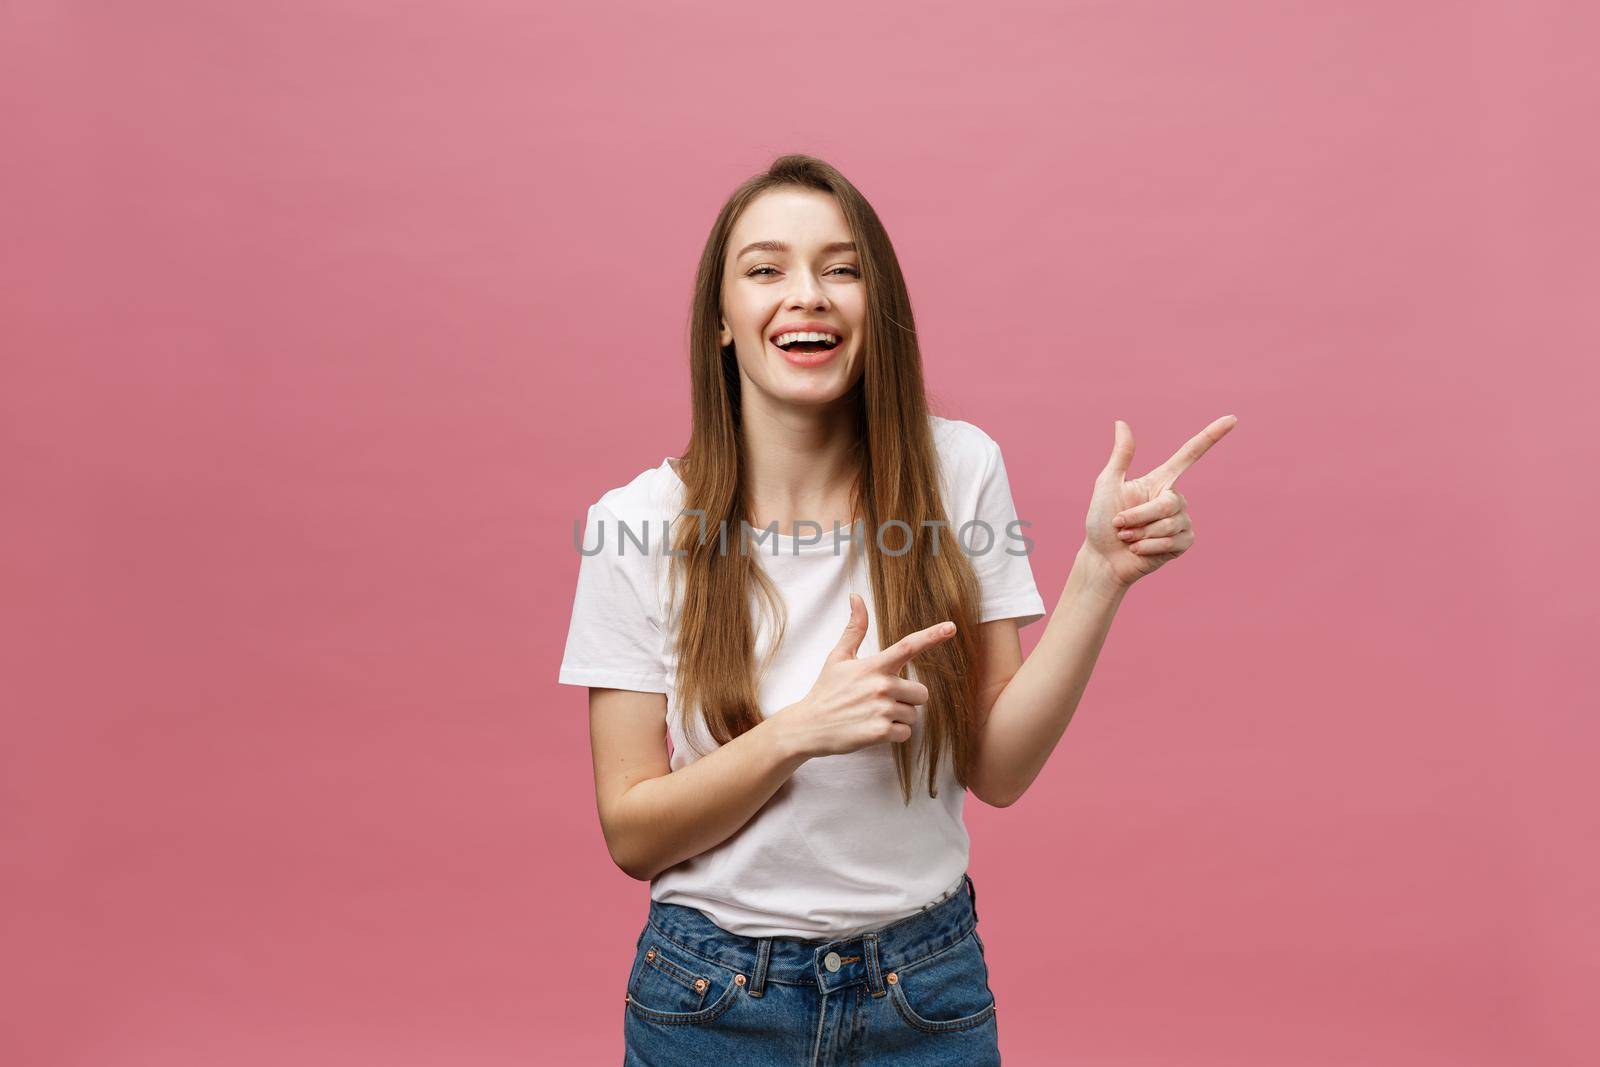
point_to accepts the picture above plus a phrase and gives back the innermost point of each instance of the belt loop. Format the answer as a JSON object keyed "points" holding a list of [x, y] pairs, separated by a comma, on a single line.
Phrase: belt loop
{"points": [[972, 892], [874, 966], [758, 981]]}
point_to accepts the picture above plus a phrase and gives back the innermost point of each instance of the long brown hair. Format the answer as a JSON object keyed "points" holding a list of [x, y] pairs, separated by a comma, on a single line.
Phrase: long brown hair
{"points": [[897, 478]]}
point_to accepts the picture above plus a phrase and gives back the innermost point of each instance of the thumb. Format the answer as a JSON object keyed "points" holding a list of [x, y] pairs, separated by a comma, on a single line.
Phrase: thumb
{"points": [[1121, 451], [853, 633]]}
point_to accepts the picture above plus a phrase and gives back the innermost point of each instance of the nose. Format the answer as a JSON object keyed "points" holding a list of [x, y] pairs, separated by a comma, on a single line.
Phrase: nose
{"points": [[806, 292]]}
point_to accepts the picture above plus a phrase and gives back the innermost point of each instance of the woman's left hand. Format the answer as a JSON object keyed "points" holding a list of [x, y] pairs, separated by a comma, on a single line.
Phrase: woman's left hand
{"points": [[1136, 526]]}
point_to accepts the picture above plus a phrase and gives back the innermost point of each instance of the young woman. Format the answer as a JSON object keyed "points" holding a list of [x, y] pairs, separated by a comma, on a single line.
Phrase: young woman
{"points": [[817, 605]]}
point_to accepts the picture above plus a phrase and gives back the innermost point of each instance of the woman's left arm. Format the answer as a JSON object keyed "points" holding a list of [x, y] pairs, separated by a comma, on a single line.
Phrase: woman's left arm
{"points": [[1133, 528]]}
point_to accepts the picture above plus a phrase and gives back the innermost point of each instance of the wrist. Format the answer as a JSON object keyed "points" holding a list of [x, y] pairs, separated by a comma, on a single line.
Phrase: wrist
{"points": [[1096, 575], [784, 738]]}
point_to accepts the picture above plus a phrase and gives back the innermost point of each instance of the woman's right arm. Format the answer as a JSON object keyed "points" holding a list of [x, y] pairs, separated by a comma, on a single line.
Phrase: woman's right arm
{"points": [[654, 817]]}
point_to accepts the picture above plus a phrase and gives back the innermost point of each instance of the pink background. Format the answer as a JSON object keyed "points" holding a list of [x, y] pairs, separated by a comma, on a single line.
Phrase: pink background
{"points": [[322, 323]]}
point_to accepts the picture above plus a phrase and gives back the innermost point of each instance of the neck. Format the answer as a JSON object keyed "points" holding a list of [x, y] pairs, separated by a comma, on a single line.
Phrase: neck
{"points": [[799, 463]]}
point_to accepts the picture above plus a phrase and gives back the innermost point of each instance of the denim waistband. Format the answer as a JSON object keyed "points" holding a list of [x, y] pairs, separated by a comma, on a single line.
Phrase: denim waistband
{"points": [[865, 957]]}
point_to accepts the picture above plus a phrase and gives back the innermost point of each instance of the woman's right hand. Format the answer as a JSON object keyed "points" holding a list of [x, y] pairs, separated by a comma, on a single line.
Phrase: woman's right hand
{"points": [[859, 702]]}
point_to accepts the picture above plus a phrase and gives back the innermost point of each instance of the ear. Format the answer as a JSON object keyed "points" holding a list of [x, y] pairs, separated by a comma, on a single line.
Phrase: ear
{"points": [[725, 337]]}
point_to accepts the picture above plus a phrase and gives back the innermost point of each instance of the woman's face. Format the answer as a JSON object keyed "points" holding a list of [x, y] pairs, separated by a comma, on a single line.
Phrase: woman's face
{"points": [[812, 283]]}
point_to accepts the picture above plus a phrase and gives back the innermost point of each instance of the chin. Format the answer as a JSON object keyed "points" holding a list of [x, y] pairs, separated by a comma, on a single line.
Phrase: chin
{"points": [[812, 388]]}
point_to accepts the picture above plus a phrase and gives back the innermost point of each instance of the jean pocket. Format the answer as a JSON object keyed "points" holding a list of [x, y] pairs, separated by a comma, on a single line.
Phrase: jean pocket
{"points": [[669, 985], [946, 992]]}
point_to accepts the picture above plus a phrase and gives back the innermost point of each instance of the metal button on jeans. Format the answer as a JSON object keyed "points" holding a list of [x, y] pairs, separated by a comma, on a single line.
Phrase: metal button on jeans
{"points": [[831, 961]]}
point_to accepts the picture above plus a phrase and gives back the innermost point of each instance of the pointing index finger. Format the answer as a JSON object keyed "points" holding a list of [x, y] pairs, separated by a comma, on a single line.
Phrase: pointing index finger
{"points": [[1193, 449], [904, 650]]}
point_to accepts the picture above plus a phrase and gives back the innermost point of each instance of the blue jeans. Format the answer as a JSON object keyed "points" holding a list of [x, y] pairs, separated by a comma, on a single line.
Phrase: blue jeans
{"points": [[914, 992]]}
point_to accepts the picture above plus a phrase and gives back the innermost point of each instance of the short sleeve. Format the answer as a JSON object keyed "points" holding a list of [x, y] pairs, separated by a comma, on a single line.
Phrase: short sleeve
{"points": [[615, 639], [1004, 570]]}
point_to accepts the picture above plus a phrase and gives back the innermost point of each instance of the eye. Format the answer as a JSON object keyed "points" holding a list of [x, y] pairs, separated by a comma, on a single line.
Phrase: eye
{"points": [[756, 271]]}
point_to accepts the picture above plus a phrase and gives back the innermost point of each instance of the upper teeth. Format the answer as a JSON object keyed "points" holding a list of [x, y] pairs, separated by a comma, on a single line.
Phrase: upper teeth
{"points": [[785, 338]]}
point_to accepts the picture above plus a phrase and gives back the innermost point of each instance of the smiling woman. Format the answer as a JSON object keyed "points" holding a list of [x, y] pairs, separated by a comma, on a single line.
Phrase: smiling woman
{"points": [[804, 840]]}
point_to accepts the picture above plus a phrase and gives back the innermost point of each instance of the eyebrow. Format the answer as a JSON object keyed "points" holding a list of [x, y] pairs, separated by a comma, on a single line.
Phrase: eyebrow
{"points": [[780, 246]]}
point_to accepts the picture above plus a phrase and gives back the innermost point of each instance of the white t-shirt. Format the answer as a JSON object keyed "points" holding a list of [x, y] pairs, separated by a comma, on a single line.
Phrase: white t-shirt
{"points": [[835, 851]]}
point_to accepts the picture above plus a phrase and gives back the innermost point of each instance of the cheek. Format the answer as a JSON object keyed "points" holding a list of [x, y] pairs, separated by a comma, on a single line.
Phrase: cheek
{"points": [[747, 323], [737, 308]]}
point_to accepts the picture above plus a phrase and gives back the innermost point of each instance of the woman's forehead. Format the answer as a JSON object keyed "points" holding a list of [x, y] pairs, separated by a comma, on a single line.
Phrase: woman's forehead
{"points": [[797, 217]]}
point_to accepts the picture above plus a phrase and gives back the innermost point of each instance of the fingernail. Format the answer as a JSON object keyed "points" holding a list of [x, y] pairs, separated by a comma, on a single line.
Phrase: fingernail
{"points": [[948, 628], [1117, 521]]}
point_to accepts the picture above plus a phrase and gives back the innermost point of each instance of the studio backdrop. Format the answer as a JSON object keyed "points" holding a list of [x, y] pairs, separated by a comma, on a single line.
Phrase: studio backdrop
{"points": [[322, 323]]}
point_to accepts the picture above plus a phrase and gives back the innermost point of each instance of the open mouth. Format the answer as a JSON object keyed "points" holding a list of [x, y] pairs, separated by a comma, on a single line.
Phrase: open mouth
{"points": [[805, 345]]}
